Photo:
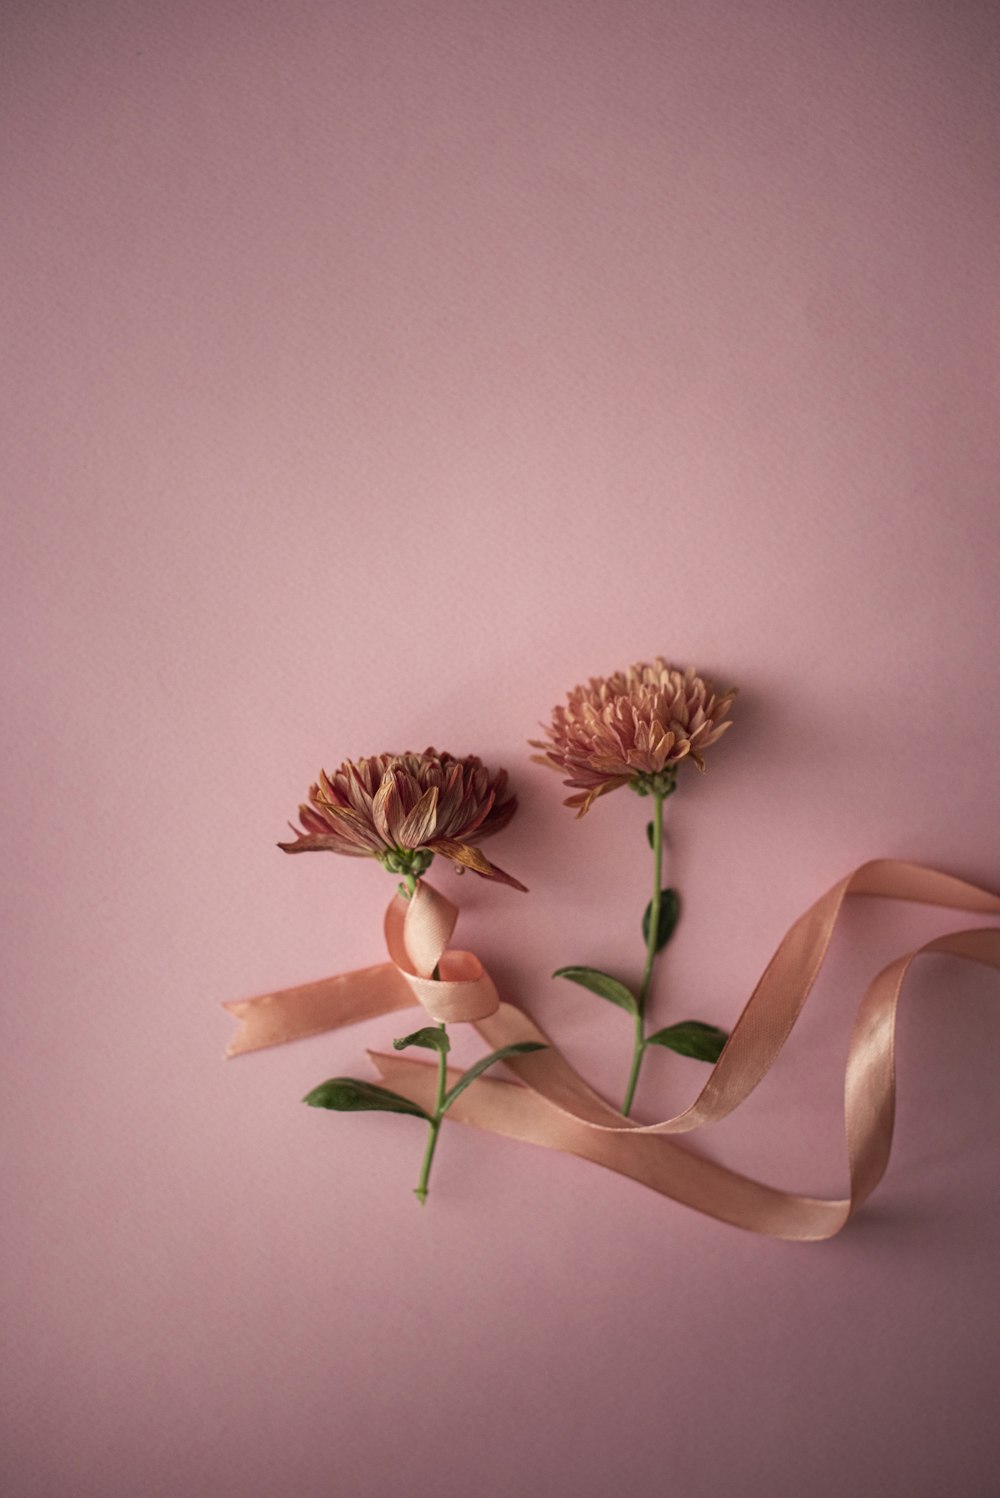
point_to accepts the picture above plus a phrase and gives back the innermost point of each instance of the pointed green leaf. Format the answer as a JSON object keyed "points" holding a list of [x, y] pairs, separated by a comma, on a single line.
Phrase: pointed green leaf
{"points": [[670, 914], [692, 1038], [649, 834], [601, 983], [432, 1038], [348, 1095], [521, 1049]]}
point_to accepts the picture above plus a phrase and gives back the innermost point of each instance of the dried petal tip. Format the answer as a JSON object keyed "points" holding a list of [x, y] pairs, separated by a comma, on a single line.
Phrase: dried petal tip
{"points": [[404, 808], [633, 728]]}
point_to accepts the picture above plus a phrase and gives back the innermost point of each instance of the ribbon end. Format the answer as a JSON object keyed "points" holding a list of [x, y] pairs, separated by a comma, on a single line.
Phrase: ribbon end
{"points": [[240, 1042]]}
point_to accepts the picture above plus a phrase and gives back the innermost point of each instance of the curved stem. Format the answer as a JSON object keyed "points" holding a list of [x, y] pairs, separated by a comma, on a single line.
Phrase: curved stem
{"points": [[651, 940], [421, 1189]]}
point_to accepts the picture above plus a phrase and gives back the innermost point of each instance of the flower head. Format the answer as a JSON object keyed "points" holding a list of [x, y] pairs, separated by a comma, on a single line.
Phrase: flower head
{"points": [[404, 808], [633, 728]]}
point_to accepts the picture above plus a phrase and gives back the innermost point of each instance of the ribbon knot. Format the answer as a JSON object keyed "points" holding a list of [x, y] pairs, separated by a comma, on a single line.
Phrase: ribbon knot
{"points": [[417, 932]]}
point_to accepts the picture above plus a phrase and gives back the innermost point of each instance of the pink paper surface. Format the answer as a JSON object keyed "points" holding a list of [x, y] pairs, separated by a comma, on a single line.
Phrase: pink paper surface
{"points": [[373, 373]]}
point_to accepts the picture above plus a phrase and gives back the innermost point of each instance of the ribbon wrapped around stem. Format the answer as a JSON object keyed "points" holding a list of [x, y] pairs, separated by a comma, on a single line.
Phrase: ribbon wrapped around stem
{"points": [[552, 1105]]}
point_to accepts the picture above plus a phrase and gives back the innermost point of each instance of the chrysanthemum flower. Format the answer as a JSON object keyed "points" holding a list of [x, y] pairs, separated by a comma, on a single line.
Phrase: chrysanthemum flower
{"points": [[633, 728], [404, 808]]}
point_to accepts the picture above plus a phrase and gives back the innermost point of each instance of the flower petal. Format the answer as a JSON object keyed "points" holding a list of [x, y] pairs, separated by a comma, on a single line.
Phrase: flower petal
{"points": [[387, 809], [344, 822], [418, 826], [320, 842], [472, 858]]}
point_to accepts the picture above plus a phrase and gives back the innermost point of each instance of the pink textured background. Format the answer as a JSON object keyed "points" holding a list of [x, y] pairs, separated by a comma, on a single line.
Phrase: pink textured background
{"points": [[374, 372]]}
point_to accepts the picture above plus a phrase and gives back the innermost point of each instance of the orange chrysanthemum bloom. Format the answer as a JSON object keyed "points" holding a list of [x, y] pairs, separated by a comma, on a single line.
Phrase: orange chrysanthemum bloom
{"points": [[404, 808], [633, 728]]}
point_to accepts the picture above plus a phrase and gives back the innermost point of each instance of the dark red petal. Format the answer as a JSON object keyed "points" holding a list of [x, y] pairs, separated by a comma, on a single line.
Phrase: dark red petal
{"points": [[471, 858], [418, 826], [316, 842]]}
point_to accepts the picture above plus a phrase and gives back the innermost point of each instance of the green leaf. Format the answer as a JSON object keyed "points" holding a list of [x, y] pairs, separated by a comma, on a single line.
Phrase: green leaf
{"points": [[601, 983], [670, 914], [649, 834], [348, 1095], [432, 1038], [521, 1049], [692, 1038]]}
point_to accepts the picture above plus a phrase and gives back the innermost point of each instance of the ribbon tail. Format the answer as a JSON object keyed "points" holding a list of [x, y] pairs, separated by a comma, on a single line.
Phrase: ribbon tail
{"points": [[313, 1008], [870, 1080]]}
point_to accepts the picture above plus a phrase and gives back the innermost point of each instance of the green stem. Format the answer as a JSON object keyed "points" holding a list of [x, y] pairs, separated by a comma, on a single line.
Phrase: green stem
{"points": [[637, 1055], [420, 1191], [435, 1128], [651, 940]]}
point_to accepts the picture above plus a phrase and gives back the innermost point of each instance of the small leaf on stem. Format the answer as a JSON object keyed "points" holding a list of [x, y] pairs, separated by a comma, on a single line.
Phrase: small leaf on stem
{"points": [[670, 914], [601, 983], [691, 1038], [348, 1095], [431, 1038], [521, 1049]]}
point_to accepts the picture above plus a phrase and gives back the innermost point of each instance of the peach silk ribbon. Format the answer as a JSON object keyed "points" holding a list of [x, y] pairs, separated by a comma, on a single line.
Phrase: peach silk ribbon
{"points": [[552, 1105]]}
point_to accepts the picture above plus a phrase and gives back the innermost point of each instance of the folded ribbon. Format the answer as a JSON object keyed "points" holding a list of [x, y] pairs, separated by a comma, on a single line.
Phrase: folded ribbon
{"points": [[552, 1105], [417, 932]]}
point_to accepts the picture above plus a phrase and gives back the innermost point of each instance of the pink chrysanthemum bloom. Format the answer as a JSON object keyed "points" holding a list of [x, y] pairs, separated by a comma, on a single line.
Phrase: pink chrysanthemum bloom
{"points": [[404, 808], [633, 728]]}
